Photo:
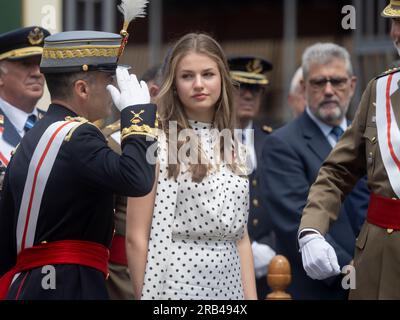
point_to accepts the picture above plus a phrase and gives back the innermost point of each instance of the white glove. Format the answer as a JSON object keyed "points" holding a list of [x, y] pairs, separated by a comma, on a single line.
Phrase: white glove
{"points": [[132, 93], [319, 257], [262, 255]]}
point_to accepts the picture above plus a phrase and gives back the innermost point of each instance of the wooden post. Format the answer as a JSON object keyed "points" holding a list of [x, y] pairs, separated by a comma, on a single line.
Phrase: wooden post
{"points": [[279, 278]]}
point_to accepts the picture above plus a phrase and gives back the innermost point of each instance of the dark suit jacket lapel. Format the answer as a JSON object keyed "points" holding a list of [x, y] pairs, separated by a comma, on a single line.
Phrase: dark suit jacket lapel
{"points": [[10, 134], [314, 137]]}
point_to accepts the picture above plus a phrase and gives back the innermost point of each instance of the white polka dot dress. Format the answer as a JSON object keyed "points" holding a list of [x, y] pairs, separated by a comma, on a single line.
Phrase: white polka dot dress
{"points": [[192, 248]]}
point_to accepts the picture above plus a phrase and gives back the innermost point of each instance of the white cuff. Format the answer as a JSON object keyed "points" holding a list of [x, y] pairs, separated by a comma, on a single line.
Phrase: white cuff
{"points": [[307, 229]]}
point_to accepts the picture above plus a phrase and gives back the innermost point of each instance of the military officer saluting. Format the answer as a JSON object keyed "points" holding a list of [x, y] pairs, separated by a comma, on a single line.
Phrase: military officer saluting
{"points": [[21, 85], [369, 146], [250, 74], [57, 206]]}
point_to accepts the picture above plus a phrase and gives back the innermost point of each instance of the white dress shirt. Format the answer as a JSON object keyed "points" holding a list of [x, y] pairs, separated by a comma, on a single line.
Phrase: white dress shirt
{"points": [[327, 129], [18, 119]]}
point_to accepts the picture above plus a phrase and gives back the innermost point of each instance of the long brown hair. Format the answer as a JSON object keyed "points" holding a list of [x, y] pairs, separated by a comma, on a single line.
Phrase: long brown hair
{"points": [[171, 108]]}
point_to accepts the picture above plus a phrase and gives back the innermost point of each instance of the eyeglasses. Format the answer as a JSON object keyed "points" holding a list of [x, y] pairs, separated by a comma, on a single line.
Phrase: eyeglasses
{"points": [[337, 82]]}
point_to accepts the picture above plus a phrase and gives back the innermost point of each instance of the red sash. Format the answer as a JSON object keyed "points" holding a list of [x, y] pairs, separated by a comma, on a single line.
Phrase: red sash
{"points": [[118, 251], [83, 253], [384, 212]]}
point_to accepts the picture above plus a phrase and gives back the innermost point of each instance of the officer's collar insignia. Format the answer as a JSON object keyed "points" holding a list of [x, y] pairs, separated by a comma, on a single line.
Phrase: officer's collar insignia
{"points": [[1, 120], [254, 66], [36, 37], [137, 117]]}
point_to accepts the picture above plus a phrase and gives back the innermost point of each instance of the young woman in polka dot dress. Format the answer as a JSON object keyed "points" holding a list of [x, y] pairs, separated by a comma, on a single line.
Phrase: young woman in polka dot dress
{"points": [[187, 239]]}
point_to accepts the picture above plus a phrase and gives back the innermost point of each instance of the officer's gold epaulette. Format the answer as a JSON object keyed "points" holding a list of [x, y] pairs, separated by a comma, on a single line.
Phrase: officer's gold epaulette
{"points": [[111, 128], [389, 71], [267, 129], [79, 121]]}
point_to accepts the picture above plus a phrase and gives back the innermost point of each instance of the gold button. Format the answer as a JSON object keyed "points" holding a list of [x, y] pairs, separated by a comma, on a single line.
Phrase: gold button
{"points": [[255, 203], [254, 183], [255, 222], [390, 231], [373, 139], [43, 242]]}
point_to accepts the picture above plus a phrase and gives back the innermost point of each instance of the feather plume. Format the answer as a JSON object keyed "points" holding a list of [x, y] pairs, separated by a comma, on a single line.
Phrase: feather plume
{"points": [[132, 9]]}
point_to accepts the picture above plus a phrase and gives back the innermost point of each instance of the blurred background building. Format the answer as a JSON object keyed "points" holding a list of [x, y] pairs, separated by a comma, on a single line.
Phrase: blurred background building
{"points": [[278, 30]]}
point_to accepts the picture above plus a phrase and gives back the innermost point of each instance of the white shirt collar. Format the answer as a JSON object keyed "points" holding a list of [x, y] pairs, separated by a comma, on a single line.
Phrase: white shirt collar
{"points": [[16, 116], [249, 125], [325, 128]]}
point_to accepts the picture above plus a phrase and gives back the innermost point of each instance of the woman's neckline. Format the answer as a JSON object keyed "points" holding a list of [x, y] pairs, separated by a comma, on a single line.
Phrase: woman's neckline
{"points": [[198, 125]]}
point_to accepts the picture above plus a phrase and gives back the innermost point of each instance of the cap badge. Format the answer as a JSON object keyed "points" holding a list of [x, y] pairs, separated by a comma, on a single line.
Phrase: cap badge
{"points": [[136, 117], [36, 36], [254, 66]]}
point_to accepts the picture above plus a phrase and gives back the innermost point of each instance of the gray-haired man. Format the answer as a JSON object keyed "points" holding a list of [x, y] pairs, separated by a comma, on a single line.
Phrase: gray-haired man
{"points": [[291, 160], [370, 146]]}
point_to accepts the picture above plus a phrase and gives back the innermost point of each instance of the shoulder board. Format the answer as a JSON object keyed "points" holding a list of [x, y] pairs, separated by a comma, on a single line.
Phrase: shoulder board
{"points": [[111, 128], [387, 72], [79, 121], [267, 129]]}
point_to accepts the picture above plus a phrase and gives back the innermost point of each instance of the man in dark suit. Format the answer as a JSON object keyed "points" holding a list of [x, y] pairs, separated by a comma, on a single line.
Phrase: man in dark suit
{"points": [[57, 210], [21, 85], [291, 160], [250, 74]]}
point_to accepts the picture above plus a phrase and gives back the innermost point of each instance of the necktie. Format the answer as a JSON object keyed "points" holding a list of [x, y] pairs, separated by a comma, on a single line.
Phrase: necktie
{"points": [[30, 122], [337, 132]]}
